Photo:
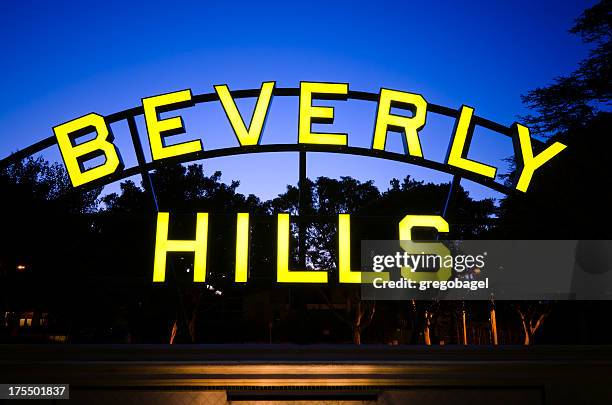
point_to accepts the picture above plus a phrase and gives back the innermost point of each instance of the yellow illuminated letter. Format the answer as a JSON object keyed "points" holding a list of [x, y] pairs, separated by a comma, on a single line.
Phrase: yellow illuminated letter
{"points": [[409, 125], [163, 246], [159, 128], [283, 274], [75, 155], [460, 143], [252, 135], [310, 114], [242, 247], [527, 162], [344, 256], [405, 235]]}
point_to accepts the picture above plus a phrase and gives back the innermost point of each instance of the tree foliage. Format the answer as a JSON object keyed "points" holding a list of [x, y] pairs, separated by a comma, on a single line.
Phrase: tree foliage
{"points": [[575, 99], [36, 181]]}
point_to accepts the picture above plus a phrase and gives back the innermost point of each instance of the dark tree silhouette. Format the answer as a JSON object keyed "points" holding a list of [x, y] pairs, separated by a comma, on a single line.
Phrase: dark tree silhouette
{"points": [[574, 100], [183, 191], [571, 197], [41, 236], [374, 215]]}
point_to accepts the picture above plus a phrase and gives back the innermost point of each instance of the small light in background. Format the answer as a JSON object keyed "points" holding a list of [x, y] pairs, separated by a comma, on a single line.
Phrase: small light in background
{"points": [[21, 267]]}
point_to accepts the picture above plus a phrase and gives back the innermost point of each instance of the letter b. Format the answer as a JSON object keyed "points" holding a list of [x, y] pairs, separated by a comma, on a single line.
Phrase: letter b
{"points": [[75, 155]]}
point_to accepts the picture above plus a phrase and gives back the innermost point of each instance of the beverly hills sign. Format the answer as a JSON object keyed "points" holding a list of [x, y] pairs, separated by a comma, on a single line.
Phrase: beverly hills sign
{"points": [[76, 155]]}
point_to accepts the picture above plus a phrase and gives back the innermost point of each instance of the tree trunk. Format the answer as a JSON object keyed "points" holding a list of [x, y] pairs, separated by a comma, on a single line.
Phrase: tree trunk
{"points": [[173, 332], [357, 322], [426, 331], [529, 328], [493, 326], [357, 336], [526, 340], [464, 328], [414, 322], [192, 325]]}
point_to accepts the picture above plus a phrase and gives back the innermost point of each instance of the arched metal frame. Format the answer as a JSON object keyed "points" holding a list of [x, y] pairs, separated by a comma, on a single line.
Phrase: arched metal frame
{"points": [[143, 167]]}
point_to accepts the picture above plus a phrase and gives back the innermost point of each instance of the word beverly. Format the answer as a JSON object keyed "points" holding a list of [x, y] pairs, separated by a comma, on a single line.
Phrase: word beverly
{"points": [[76, 155]]}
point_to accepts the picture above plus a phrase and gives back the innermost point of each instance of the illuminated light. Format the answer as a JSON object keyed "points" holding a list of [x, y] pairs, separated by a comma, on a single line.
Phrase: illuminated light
{"points": [[405, 235], [527, 163], [75, 155], [163, 246], [460, 144], [346, 275], [242, 247], [21, 267], [283, 274], [158, 128], [252, 135], [410, 126], [309, 114]]}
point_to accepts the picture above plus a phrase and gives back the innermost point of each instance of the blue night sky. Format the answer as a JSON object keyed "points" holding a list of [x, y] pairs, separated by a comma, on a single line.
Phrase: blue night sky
{"points": [[65, 59]]}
